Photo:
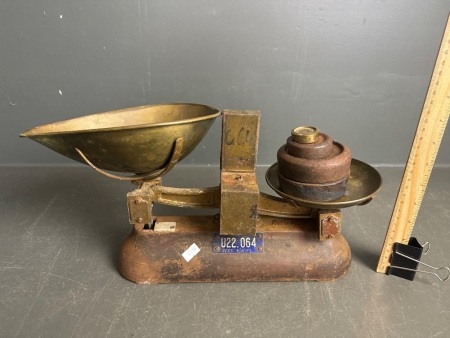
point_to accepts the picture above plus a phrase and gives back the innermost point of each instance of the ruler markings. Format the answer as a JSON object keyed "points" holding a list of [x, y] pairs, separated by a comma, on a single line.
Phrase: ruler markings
{"points": [[424, 149]]}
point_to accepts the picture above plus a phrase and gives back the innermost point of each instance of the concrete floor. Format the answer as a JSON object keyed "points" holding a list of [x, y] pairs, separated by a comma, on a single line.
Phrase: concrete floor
{"points": [[61, 229]]}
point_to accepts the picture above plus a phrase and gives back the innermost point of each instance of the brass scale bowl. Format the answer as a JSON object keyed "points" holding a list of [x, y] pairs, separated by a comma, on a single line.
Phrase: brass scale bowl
{"points": [[148, 141]]}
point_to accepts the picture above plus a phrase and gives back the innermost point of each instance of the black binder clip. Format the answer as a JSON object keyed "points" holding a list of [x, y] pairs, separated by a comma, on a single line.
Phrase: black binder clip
{"points": [[406, 258]]}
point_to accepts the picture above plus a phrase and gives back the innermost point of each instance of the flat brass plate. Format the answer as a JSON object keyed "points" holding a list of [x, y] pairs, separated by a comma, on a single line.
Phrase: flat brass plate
{"points": [[362, 186], [132, 140]]}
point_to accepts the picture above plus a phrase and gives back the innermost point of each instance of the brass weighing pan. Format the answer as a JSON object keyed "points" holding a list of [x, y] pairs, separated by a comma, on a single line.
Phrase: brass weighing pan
{"points": [[133, 140], [363, 184]]}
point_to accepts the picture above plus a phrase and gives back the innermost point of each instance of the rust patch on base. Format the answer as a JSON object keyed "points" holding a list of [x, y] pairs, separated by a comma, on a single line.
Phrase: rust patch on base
{"points": [[292, 252]]}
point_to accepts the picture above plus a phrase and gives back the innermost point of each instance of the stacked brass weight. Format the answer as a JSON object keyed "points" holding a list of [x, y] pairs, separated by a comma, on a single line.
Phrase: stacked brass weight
{"points": [[312, 166]]}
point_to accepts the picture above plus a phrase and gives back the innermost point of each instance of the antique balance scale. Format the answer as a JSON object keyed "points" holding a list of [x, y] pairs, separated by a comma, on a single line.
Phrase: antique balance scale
{"points": [[256, 236]]}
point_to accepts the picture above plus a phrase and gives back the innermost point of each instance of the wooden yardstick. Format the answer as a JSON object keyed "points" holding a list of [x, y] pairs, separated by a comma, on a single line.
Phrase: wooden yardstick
{"points": [[427, 139]]}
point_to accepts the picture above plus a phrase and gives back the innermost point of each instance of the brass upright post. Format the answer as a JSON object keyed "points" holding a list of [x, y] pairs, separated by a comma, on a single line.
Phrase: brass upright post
{"points": [[239, 187]]}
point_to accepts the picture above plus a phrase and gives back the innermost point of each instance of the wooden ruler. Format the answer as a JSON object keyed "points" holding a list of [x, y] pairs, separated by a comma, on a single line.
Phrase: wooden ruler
{"points": [[427, 139]]}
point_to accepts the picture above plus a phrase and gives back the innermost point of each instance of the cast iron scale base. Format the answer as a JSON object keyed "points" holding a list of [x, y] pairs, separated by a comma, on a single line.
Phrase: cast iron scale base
{"points": [[292, 252], [255, 237]]}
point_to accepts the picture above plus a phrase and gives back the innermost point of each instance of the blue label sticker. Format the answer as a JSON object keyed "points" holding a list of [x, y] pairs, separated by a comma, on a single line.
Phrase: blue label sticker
{"points": [[232, 244]]}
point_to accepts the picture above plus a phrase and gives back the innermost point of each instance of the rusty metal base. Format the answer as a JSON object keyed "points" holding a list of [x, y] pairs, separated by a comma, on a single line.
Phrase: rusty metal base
{"points": [[292, 252]]}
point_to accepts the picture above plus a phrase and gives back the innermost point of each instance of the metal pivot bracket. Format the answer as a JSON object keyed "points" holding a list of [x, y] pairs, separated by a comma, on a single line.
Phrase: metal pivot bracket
{"points": [[329, 223], [140, 203]]}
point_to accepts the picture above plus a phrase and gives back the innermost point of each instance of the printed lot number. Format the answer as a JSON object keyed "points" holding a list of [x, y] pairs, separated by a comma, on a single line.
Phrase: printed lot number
{"points": [[238, 244]]}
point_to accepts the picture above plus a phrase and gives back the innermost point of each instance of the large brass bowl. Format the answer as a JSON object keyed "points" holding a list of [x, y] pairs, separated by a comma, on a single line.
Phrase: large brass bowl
{"points": [[132, 140]]}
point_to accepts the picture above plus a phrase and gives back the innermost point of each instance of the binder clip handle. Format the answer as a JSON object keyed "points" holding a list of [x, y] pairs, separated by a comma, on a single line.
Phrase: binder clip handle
{"points": [[422, 271], [406, 258], [427, 246]]}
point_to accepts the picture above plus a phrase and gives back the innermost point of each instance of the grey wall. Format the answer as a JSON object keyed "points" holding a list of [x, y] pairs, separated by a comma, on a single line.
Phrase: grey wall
{"points": [[358, 70]]}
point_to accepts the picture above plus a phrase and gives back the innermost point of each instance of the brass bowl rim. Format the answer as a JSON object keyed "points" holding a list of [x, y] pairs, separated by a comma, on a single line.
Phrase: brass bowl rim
{"points": [[35, 131]]}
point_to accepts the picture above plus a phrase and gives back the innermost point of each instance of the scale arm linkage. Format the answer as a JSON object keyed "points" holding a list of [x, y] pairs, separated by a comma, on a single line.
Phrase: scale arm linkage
{"points": [[187, 197], [210, 197], [268, 205]]}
